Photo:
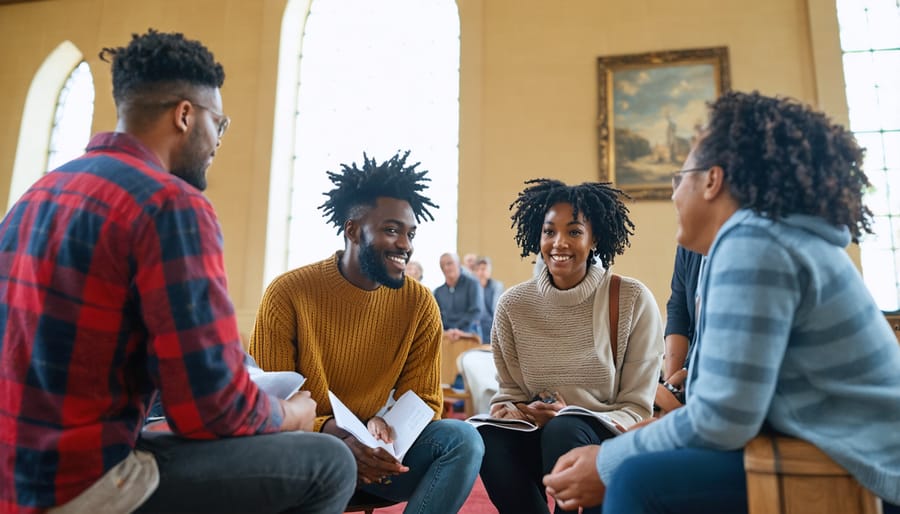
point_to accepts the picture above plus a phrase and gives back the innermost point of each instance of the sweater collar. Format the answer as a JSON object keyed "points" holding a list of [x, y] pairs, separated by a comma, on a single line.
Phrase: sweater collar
{"points": [[570, 297], [342, 287]]}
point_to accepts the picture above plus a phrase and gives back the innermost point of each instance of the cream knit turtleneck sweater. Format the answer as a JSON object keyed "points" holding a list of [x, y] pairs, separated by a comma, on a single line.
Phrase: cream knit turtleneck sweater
{"points": [[544, 340]]}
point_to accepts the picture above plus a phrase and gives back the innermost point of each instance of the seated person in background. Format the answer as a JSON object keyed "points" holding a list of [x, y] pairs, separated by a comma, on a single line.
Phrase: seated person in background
{"points": [[491, 289], [414, 270], [112, 292], [460, 299], [788, 336], [553, 334], [356, 325], [469, 261], [680, 324]]}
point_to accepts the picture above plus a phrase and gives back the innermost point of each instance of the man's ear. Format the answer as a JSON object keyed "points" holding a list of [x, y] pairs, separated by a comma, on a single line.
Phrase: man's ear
{"points": [[351, 230], [715, 183], [182, 115]]}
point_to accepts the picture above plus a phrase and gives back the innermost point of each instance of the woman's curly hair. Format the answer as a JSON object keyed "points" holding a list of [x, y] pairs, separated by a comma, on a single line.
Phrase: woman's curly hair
{"points": [[358, 187], [781, 157], [599, 203], [158, 57]]}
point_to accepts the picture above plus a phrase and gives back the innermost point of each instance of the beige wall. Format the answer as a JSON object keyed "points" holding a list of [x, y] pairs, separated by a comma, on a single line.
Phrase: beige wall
{"points": [[527, 95], [534, 92]]}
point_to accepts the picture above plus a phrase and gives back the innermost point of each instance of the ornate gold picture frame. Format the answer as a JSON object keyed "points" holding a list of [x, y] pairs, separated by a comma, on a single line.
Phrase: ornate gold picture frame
{"points": [[652, 108]]}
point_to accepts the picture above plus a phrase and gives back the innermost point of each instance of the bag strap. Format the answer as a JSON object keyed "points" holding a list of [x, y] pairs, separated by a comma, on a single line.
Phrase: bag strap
{"points": [[614, 281]]}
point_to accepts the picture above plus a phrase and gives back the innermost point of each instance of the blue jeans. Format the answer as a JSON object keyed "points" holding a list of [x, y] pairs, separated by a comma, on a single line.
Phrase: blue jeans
{"points": [[443, 464], [689, 480], [515, 462], [286, 472]]}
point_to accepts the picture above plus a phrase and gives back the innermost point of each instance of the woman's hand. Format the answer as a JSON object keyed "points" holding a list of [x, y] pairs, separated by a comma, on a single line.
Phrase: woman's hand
{"points": [[677, 379], [540, 412], [644, 422], [506, 410]]}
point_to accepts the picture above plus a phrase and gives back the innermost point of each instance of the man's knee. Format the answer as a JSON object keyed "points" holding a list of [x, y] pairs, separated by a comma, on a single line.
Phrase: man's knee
{"points": [[333, 460], [459, 436]]}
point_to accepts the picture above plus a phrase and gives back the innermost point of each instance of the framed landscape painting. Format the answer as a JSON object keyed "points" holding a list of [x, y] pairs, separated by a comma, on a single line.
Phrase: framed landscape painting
{"points": [[652, 109]]}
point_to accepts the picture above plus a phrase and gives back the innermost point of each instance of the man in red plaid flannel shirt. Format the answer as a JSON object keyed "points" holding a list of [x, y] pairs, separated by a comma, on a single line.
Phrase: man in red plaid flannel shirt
{"points": [[112, 290]]}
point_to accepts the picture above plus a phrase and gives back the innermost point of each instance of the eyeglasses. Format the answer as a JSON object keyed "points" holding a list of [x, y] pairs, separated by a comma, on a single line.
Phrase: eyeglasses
{"points": [[678, 175], [224, 121]]}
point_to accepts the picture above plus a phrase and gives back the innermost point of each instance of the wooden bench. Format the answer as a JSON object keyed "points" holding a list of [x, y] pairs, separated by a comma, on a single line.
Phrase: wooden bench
{"points": [[790, 476]]}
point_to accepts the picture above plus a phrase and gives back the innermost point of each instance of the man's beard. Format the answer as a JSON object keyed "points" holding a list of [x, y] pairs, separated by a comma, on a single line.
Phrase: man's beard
{"points": [[192, 169], [372, 265]]}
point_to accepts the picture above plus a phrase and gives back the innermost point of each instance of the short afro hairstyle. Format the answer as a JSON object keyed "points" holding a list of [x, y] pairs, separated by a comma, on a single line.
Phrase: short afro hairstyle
{"points": [[358, 187], [157, 57], [599, 203], [782, 157]]}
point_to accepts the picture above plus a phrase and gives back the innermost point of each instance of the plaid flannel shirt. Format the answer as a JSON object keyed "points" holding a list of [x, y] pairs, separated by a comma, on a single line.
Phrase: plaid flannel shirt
{"points": [[112, 286]]}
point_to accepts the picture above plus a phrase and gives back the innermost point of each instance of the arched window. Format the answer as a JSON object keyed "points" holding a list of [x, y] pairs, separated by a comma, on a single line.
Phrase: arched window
{"points": [[374, 77], [56, 120], [870, 40], [72, 121]]}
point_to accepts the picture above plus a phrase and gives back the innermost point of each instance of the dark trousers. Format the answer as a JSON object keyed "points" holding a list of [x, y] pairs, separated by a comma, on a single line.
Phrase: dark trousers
{"points": [[515, 462], [277, 473]]}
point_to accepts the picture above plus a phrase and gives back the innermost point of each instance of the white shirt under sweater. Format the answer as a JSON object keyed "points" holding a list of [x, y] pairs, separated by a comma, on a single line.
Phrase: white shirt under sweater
{"points": [[548, 339]]}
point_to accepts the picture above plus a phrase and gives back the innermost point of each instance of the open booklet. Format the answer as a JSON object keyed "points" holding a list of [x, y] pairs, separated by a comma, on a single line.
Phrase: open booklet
{"points": [[527, 426], [407, 417], [281, 384]]}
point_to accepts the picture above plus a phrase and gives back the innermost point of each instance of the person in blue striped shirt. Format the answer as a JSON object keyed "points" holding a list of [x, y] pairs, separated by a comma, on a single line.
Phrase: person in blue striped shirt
{"points": [[789, 338]]}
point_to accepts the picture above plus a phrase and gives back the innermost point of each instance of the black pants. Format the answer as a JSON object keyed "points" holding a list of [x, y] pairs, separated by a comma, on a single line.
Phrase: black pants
{"points": [[515, 462]]}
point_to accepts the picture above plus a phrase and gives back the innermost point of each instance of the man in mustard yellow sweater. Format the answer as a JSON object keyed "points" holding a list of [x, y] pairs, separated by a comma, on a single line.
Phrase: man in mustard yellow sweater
{"points": [[356, 325]]}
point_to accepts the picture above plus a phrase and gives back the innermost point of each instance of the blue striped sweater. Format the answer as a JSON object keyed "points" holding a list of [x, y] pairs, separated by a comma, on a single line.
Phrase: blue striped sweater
{"points": [[789, 335]]}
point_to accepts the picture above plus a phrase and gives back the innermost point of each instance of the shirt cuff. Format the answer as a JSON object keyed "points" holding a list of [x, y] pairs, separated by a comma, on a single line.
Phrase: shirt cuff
{"points": [[612, 453]]}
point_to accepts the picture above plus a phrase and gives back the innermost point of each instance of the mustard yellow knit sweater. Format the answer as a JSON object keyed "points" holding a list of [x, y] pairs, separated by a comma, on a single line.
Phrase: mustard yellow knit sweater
{"points": [[359, 344]]}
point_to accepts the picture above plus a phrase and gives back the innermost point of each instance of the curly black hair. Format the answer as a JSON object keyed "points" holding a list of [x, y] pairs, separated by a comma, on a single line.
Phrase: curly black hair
{"points": [[599, 202], [358, 187], [782, 157], [159, 57]]}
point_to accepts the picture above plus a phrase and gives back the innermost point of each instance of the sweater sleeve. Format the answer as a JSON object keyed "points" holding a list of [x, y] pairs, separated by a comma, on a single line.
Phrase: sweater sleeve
{"points": [[511, 382], [639, 372], [273, 342], [421, 373], [747, 308]]}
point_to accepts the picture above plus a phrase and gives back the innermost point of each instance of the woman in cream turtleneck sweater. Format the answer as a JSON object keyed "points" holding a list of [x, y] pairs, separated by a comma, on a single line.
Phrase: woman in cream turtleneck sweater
{"points": [[551, 340]]}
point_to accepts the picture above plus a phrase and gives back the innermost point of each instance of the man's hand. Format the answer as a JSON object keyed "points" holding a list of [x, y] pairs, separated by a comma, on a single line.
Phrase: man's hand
{"points": [[373, 465], [299, 412], [379, 428], [574, 481]]}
